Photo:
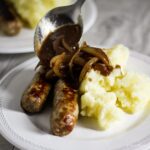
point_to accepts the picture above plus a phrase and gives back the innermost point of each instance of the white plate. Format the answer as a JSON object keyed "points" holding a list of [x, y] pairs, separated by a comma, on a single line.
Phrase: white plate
{"points": [[23, 43], [32, 132]]}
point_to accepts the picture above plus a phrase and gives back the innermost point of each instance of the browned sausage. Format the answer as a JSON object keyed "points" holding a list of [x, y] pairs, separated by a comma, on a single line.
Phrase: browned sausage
{"points": [[9, 21], [36, 94], [65, 109]]}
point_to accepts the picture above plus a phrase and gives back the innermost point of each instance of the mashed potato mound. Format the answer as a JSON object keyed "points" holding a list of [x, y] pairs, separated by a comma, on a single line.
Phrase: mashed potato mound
{"points": [[98, 100], [118, 55], [133, 92], [107, 99]]}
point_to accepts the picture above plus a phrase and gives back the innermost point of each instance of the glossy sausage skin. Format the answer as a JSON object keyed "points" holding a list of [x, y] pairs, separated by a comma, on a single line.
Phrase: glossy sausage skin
{"points": [[65, 109], [36, 94]]}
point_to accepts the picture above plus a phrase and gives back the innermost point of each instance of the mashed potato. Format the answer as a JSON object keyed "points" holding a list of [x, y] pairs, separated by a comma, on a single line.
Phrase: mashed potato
{"points": [[107, 99], [98, 100], [133, 92], [118, 55], [32, 11]]}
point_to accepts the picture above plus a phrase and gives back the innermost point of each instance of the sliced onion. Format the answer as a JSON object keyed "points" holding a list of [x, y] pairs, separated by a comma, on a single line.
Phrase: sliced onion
{"points": [[57, 63], [79, 61], [71, 61], [96, 52], [87, 67], [57, 45], [66, 46], [104, 70]]}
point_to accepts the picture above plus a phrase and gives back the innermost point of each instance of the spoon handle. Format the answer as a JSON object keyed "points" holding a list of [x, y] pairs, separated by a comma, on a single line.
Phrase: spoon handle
{"points": [[79, 3]]}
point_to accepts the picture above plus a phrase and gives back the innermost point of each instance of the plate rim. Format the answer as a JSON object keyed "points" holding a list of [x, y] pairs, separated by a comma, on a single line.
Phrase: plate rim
{"points": [[8, 136]]}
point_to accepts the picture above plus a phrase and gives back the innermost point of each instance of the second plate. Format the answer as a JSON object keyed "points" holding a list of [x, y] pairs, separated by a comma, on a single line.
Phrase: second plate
{"points": [[23, 43]]}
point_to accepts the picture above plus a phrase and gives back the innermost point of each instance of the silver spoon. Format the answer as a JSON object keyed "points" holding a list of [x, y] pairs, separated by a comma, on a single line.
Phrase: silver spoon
{"points": [[56, 18]]}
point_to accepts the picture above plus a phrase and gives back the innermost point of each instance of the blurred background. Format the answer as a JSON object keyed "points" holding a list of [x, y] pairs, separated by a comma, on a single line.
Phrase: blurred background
{"points": [[107, 23], [122, 21]]}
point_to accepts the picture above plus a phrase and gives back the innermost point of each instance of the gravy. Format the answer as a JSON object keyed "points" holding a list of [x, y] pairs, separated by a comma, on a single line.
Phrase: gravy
{"points": [[52, 45]]}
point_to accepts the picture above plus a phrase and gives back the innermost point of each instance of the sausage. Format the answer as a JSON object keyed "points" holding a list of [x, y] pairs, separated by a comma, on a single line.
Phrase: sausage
{"points": [[9, 21], [35, 96], [65, 109]]}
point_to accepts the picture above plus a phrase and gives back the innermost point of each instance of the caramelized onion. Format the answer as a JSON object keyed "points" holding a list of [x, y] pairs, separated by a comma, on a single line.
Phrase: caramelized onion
{"points": [[87, 67], [75, 62], [57, 47], [66, 46], [96, 52], [57, 64], [79, 61], [104, 70], [71, 61]]}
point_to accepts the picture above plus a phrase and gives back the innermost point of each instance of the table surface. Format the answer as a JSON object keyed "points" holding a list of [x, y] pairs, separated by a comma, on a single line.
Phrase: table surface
{"points": [[118, 21]]}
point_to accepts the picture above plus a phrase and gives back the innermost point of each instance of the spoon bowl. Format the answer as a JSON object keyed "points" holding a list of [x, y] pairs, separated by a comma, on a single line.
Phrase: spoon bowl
{"points": [[55, 19]]}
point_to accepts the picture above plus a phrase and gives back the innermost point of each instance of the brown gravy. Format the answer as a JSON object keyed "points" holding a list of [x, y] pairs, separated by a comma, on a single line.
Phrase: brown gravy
{"points": [[52, 44]]}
